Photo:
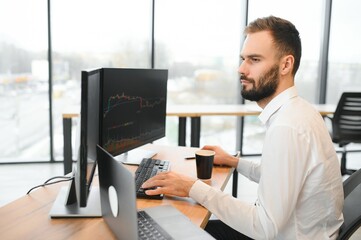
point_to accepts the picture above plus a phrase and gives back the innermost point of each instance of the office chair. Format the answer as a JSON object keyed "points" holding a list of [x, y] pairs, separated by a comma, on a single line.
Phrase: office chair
{"points": [[346, 124], [351, 208]]}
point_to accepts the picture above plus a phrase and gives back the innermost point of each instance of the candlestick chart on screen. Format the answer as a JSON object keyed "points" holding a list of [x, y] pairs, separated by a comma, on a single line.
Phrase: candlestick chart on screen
{"points": [[129, 119]]}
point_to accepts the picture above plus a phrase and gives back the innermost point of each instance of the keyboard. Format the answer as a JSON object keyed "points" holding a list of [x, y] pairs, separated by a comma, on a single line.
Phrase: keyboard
{"points": [[149, 229], [148, 168]]}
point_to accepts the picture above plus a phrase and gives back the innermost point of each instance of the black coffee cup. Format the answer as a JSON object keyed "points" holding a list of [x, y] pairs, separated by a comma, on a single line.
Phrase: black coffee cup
{"points": [[204, 162]]}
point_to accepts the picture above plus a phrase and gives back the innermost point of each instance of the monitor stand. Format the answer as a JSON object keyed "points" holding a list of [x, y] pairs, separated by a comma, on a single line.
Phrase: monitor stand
{"points": [[135, 156], [61, 209]]}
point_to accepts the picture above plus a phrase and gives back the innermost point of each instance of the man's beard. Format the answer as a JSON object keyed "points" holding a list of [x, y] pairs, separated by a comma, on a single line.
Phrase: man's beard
{"points": [[267, 85]]}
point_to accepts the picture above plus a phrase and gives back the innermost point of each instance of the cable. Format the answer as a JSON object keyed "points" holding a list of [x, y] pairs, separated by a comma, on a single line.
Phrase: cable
{"points": [[56, 178], [47, 182]]}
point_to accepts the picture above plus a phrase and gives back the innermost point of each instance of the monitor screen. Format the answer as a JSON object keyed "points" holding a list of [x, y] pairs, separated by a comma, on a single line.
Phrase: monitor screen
{"points": [[133, 108]]}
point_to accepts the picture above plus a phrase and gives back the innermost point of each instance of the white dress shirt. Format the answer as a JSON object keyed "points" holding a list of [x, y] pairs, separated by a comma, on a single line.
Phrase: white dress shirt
{"points": [[300, 194]]}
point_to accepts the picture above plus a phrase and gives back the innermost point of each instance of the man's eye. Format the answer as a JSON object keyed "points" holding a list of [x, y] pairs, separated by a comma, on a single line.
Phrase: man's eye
{"points": [[255, 59]]}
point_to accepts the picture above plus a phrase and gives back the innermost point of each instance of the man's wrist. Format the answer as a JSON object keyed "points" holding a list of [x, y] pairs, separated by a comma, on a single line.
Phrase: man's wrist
{"points": [[233, 162]]}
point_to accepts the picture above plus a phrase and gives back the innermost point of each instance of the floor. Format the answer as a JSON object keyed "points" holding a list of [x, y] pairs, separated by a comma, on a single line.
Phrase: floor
{"points": [[17, 179]]}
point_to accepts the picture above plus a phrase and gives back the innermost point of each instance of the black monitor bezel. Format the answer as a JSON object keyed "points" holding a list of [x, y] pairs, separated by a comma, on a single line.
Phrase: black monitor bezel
{"points": [[84, 175]]}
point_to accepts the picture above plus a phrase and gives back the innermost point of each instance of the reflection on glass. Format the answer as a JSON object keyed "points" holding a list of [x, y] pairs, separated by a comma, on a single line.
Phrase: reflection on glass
{"points": [[24, 108]]}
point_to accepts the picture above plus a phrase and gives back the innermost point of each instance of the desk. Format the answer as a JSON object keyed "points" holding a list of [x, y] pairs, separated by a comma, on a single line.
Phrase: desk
{"points": [[195, 112], [27, 217]]}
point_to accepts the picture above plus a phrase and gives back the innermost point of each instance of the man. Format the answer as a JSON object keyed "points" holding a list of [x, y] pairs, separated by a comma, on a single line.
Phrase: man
{"points": [[300, 192]]}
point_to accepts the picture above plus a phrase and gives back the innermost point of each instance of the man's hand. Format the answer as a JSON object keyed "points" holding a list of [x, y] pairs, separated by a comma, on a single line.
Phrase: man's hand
{"points": [[222, 157], [169, 183]]}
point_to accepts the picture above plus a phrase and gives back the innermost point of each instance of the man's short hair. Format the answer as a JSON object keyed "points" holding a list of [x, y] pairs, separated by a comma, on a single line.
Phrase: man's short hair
{"points": [[285, 36]]}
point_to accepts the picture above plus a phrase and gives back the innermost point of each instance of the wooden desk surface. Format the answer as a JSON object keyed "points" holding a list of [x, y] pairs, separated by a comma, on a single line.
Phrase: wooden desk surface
{"points": [[215, 110], [28, 217]]}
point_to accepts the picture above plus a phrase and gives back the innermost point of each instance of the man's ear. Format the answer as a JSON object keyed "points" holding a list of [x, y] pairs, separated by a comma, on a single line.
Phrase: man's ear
{"points": [[287, 64]]}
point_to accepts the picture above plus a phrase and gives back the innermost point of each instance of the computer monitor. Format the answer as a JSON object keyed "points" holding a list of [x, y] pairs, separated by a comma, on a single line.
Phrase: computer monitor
{"points": [[79, 200], [133, 111], [121, 109]]}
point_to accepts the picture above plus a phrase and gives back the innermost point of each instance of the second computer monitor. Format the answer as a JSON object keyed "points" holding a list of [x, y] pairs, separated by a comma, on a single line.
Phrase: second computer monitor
{"points": [[133, 103]]}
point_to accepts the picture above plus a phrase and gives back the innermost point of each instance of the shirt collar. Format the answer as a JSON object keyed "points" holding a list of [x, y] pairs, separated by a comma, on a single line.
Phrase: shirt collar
{"points": [[276, 103]]}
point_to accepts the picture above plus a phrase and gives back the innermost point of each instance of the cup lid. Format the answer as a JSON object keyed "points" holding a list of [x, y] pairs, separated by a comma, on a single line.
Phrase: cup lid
{"points": [[205, 152]]}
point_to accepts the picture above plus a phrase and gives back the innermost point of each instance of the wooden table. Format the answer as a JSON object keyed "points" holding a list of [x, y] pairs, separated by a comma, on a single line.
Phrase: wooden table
{"points": [[195, 112], [28, 217]]}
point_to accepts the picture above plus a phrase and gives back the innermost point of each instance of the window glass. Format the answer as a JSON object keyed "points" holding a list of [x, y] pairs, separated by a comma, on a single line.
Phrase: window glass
{"points": [[344, 69], [307, 17], [24, 108], [92, 34], [199, 42]]}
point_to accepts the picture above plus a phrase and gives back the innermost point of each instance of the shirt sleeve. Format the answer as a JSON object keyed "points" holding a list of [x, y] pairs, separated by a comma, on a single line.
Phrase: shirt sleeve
{"points": [[278, 189], [249, 169], [237, 214]]}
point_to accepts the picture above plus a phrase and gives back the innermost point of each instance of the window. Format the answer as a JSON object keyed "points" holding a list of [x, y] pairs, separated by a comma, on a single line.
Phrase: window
{"points": [[199, 42], [24, 107], [344, 65], [92, 34]]}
